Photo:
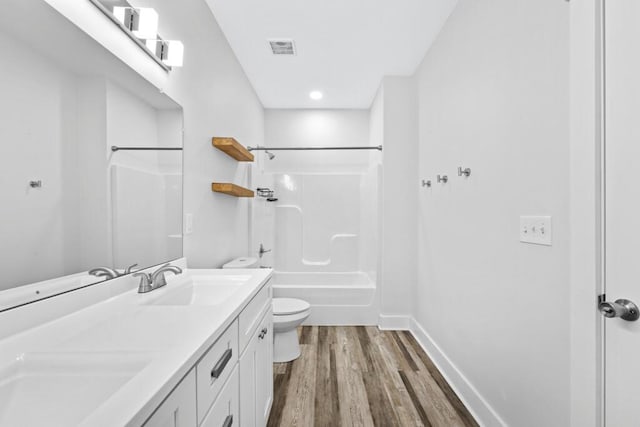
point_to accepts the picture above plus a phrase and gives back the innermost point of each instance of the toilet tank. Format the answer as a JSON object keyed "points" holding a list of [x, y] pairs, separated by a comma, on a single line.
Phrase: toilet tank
{"points": [[243, 262]]}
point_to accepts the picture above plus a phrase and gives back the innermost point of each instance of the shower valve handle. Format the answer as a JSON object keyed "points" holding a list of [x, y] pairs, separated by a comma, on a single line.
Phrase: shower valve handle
{"points": [[262, 250]]}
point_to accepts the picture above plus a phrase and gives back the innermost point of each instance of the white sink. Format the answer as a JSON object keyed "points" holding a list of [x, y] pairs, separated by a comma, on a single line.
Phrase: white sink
{"points": [[61, 389], [199, 290]]}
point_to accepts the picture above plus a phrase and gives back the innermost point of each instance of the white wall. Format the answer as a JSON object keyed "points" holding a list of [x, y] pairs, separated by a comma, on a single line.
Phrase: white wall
{"points": [[314, 128], [399, 203], [217, 100], [37, 96], [494, 96]]}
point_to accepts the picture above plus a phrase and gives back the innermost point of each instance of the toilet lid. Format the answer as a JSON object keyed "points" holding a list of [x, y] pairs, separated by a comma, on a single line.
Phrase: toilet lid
{"points": [[284, 306], [246, 262]]}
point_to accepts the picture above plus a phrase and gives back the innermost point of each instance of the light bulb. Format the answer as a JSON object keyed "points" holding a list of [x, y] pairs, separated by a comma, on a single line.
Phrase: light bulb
{"points": [[173, 53], [316, 95], [141, 21]]}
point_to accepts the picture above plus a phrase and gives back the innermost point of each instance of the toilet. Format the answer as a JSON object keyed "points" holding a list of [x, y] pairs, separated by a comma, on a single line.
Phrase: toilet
{"points": [[288, 314], [243, 262]]}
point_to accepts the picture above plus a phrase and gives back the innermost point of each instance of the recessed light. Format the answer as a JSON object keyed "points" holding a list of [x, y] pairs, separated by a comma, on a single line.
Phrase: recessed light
{"points": [[316, 95]]}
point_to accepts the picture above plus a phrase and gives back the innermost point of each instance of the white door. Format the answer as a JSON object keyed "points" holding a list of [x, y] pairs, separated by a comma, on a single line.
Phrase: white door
{"points": [[622, 202]]}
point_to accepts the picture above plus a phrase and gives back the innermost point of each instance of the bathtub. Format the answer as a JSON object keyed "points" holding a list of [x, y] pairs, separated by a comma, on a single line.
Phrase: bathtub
{"points": [[336, 298]]}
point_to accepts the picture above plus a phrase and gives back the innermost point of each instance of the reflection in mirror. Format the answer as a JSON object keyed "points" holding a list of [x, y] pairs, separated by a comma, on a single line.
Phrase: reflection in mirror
{"points": [[141, 25], [70, 203]]}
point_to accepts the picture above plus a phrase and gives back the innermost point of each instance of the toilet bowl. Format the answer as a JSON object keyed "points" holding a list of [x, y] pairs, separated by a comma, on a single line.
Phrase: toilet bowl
{"points": [[288, 314]]}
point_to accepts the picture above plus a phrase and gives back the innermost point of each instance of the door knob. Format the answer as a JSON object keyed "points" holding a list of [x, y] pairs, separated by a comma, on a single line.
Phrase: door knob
{"points": [[622, 308]]}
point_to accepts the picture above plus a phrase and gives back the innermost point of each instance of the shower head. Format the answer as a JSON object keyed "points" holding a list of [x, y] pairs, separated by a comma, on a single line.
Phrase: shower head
{"points": [[271, 155]]}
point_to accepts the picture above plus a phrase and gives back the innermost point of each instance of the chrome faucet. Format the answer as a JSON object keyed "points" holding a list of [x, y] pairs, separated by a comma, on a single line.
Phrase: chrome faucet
{"points": [[129, 269], [111, 273], [107, 272], [157, 277], [145, 283], [155, 280]]}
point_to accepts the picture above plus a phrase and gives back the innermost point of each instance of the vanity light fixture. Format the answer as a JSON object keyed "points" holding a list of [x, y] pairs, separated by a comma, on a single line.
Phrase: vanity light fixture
{"points": [[141, 21], [316, 95], [140, 24], [170, 52]]}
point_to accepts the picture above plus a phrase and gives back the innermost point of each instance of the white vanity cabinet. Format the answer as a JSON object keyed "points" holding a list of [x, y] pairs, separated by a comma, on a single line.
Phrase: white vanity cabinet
{"points": [[179, 408], [232, 383], [256, 375]]}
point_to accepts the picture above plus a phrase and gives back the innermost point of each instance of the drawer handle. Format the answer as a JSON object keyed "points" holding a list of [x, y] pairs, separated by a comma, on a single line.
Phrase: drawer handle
{"points": [[228, 422], [263, 333], [222, 363]]}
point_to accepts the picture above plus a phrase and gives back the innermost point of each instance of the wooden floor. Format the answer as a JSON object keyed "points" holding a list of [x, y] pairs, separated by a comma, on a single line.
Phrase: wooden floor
{"points": [[361, 376]]}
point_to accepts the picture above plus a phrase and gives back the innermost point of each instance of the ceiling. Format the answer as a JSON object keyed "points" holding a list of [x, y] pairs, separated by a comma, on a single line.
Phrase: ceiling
{"points": [[344, 47]]}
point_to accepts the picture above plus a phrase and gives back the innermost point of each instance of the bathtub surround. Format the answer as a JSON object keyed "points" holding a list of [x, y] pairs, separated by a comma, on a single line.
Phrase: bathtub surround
{"points": [[323, 222]]}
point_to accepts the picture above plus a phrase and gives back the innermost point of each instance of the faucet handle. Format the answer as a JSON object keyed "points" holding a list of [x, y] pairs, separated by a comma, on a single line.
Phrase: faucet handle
{"points": [[129, 269], [98, 272], [157, 277], [145, 282], [262, 250]]}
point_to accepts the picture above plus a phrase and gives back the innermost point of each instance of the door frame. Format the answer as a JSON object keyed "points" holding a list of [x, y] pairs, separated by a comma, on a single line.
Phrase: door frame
{"points": [[587, 212]]}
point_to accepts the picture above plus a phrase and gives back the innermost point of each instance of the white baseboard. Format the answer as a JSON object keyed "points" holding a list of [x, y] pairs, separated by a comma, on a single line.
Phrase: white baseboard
{"points": [[342, 315], [388, 322], [472, 399]]}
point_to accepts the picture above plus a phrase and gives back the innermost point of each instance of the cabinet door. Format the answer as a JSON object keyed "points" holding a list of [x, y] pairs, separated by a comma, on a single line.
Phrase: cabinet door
{"points": [[248, 369], [264, 373], [179, 408], [256, 375]]}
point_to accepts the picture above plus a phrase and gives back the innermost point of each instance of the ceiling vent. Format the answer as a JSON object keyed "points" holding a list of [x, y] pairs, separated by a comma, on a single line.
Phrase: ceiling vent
{"points": [[282, 46]]}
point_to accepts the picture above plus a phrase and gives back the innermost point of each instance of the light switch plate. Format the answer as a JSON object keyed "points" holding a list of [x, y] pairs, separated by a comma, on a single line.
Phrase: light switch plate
{"points": [[536, 230], [188, 223]]}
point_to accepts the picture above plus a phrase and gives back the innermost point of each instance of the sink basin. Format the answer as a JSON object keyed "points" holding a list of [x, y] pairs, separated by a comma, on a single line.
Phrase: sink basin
{"points": [[61, 389], [200, 290]]}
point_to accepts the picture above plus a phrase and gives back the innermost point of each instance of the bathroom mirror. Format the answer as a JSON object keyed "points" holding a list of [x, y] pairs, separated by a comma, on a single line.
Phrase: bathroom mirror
{"points": [[69, 202]]}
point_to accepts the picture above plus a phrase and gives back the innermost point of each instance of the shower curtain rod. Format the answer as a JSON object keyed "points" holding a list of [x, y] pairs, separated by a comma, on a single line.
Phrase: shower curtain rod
{"points": [[379, 148], [116, 148]]}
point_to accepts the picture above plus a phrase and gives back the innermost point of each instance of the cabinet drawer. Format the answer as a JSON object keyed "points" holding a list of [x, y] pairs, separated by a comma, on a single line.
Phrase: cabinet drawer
{"points": [[179, 408], [215, 367], [225, 412], [251, 315]]}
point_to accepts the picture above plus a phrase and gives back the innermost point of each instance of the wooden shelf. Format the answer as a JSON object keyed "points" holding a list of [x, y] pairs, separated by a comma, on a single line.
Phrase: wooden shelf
{"points": [[233, 148], [231, 189]]}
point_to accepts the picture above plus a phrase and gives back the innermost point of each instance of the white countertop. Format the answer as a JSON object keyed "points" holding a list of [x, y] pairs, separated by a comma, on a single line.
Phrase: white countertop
{"points": [[168, 340]]}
